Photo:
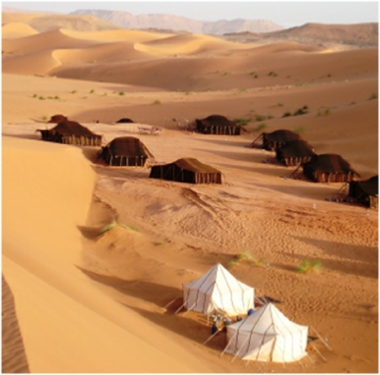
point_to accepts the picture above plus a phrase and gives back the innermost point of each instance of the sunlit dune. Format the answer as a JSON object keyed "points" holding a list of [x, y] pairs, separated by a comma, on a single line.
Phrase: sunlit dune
{"points": [[113, 36], [17, 30], [95, 256], [185, 44]]}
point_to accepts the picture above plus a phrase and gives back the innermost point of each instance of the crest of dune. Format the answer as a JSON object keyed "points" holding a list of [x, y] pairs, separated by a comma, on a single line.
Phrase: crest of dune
{"points": [[17, 30]]}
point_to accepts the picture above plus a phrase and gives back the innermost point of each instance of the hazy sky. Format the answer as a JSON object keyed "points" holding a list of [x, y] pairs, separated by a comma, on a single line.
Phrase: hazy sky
{"points": [[284, 13]]}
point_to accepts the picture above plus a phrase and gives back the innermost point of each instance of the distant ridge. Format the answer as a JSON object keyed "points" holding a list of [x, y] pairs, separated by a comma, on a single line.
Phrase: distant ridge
{"points": [[178, 23], [364, 35]]}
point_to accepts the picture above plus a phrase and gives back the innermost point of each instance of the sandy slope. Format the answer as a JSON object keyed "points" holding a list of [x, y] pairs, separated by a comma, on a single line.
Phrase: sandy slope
{"points": [[98, 300]]}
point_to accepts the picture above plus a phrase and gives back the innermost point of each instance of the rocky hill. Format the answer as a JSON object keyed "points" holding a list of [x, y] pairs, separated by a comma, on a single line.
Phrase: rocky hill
{"points": [[177, 23], [352, 36]]}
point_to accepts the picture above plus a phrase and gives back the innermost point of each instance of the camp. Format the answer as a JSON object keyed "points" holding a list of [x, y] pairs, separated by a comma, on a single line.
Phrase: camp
{"points": [[125, 151], [218, 292], [295, 153], [267, 335], [364, 192], [217, 124], [329, 168], [71, 132], [276, 139], [188, 170]]}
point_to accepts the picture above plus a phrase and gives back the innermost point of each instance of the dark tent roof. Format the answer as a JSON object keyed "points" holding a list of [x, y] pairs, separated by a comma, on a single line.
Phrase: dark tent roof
{"points": [[282, 135], [296, 148], [217, 120], [370, 186], [194, 165], [329, 163], [124, 120], [127, 146], [57, 119], [71, 128]]}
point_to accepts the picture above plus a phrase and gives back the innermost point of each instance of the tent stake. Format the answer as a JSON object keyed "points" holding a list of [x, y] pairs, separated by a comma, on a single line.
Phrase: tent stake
{"points": [[228, 344], [324, 358], [214, 334], [180, 308], [189, 308], [321, 338], [175, 299]]}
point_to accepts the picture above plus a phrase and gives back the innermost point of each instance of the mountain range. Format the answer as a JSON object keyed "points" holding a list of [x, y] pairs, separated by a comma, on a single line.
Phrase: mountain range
{"points": [[181, 24]]}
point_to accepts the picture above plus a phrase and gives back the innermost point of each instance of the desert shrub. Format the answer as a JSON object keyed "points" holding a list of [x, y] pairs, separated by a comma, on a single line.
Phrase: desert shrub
{"points": [[121, 93], [44, 118], [92, 91], [225, 74], [272, 74], [299, 130], [260, 127], [41, 98], [324, 111], [286, 114], [74, 91], [301, 111], [244, 256], [263, 118], [254, 74], [35, 96], [242, 121], [374, 95], [156, 102], [307, 266]]}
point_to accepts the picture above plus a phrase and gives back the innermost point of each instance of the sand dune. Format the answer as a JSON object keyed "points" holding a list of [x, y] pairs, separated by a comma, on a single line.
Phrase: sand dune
{"points": [[81, 299], [17, 30]]}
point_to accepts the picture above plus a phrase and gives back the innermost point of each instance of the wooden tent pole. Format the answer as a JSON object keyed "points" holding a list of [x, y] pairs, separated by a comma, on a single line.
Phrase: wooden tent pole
{"points": [[228, 344], [324, 358], [257, 138], [166, 306], [214, 334], [321, 338], [180, 308], [237, 353], [189, 308]]}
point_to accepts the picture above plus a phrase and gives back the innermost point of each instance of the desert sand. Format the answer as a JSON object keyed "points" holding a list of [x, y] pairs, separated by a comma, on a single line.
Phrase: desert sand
{"points": [[78, 301]]}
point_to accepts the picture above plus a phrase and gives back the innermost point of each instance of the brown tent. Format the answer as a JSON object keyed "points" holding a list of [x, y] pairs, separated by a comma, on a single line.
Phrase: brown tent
{"points": [[216, 124], [276, 139], [124, 120], [295, 153], [187, 170], [365, 192], [125, 151], [71, 132], [57, 119], [328, 168]]}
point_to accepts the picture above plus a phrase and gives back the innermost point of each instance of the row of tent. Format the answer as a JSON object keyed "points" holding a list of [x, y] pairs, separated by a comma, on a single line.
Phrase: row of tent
{"points": [[292, 150], [266, 335], [130, 151]]}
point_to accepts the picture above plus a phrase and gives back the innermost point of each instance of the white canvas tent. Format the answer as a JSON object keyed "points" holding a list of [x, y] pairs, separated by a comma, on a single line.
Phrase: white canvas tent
{"points": [[267, 335], [218, 292]]}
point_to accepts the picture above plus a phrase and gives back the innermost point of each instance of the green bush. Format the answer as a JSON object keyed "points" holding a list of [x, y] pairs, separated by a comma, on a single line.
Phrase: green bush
{"points": [[307, 266], [242, 121]]}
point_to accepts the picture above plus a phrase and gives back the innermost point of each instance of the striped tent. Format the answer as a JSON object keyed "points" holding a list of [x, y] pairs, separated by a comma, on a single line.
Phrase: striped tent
{"points": [[365, 192], [125, 151], [217, 124], [218, 292], [71, 132], [267, 335], [329, 168], [295, 153], [188, 170]]}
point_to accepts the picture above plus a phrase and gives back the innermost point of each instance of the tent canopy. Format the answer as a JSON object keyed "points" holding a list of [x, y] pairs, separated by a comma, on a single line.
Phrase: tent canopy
{"points": [[127, 146], [296, 148], [329, 163], [267, 335], [67, 128], [218, 291]]}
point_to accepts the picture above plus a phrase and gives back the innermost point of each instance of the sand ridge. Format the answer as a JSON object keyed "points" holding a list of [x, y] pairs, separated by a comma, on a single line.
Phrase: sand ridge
{"points": [[99, 298]]}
